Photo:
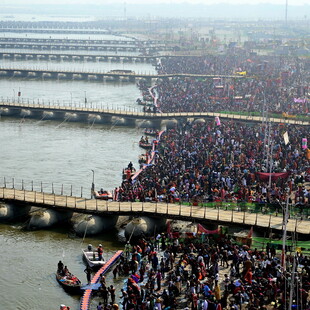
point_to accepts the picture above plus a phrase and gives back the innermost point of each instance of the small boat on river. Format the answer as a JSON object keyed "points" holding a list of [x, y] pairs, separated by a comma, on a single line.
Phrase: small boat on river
{"points": [[70, 283], [151, 132], [145, 145], [91, 258], [103, 195]]}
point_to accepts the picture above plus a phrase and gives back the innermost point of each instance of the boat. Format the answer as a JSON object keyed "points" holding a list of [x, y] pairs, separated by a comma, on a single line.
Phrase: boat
{"points": [[103, 195], [145, 145], [122, 71], [151, 132], [70, 283], [90, 256]]}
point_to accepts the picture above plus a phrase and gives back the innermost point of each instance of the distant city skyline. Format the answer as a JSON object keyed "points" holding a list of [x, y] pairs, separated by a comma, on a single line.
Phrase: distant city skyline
{"points": [[105, 2]]}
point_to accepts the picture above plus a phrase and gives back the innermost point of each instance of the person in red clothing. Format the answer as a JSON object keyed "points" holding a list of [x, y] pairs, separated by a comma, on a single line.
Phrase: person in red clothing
{"points": [[100, 252], [248, 276]]}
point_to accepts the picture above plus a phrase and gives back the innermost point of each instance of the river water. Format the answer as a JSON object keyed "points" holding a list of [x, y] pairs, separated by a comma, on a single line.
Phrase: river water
{"points": [[64, 154]]}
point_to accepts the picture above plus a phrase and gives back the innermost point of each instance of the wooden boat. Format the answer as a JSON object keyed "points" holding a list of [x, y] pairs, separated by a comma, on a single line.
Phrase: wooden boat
{"points": [[146, 146], [70, 283], [90, 257], [150, 132], [103, 195]]}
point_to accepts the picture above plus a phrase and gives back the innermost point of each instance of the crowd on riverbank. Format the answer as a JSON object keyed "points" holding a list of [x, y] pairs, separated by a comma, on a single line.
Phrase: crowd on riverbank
{"points": [[208, 272], [211, 162], [221, 161], [264, 83]]}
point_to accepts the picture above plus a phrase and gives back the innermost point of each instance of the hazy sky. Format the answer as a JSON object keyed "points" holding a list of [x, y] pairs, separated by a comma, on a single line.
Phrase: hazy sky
{"points": [[104, 2]]}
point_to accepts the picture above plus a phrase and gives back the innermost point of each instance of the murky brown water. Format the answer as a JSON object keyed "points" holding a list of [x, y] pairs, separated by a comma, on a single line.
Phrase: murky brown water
{"points": [[62, 154]]}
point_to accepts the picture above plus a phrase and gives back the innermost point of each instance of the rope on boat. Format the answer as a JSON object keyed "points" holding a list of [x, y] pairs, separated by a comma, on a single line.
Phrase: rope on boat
{"points": [[131, 233], [85, 230]]}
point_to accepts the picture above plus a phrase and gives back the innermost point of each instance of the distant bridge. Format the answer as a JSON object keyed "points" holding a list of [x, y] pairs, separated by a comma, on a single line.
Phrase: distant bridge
{"points": [[98, 114], [60, 30], [81, 46], [59, 55], [142, 43], [164, 210], [98, 75]]}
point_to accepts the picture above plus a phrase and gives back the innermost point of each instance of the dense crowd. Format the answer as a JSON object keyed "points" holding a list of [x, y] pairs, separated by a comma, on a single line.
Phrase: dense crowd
{"points": [[237, 95], [208, 273], [254, 65], [264, 83], [213, 162]]}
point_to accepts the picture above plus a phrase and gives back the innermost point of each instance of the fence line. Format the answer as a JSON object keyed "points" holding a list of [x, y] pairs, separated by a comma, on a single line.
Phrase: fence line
{"points": [[50, 192]]}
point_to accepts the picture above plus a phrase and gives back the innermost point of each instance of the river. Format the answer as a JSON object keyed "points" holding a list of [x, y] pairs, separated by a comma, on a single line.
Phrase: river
{"points": [[65, 154]]}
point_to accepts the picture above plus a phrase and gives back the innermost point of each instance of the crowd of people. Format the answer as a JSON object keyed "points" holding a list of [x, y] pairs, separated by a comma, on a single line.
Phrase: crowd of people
{"points": [[221, 163], [261, 83], [208, 273]]}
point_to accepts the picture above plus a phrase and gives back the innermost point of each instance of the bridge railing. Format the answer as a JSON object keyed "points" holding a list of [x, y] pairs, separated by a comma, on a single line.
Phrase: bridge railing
{"points": [[49, 193], [83, 53], [41, 103], [169, 210], [44, 187]]}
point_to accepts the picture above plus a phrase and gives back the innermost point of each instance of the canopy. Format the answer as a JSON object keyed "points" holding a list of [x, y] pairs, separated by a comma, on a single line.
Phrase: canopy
{"points": [[264, 176]]}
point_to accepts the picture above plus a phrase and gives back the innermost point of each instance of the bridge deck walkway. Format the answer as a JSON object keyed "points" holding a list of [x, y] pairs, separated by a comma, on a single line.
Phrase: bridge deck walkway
{"points": [[168, 210], [146, 115]]}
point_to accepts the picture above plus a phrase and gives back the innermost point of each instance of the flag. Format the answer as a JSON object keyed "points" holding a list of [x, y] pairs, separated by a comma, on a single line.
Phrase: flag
{"points": [[304, 143], [217, 120], [250, 234], [169, 228], [285, 137], [135, 277], [241, 73]]}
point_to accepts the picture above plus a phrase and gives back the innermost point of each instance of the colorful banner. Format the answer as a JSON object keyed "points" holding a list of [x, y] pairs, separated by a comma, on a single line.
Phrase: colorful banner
{"points": [[285, 137], [300, 100], [304, 143], [201, 229], [241, 73], [264, 176]]}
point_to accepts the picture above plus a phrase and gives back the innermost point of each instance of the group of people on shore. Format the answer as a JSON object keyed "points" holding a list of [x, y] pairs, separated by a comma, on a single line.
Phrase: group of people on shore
{"points": [[219, 161], [264, 83], [209, 272], [211, 162], [222, 161]]}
